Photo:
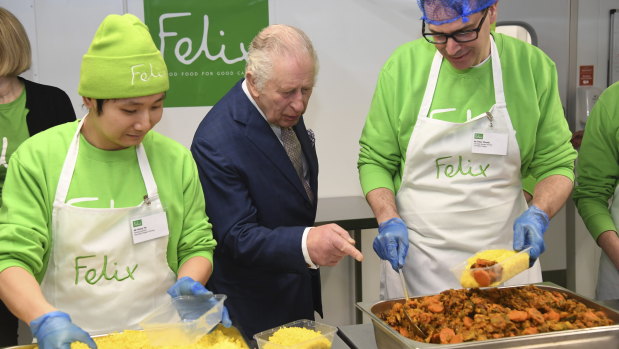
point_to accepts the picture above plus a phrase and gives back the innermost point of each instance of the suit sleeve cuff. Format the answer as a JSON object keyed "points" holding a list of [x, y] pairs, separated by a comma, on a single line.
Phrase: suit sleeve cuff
{"points": [[308, 260]]}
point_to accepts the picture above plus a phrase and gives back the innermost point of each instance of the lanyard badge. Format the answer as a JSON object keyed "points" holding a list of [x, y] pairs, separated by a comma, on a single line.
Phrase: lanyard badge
{"points": [[149, 226], [492, 143]]}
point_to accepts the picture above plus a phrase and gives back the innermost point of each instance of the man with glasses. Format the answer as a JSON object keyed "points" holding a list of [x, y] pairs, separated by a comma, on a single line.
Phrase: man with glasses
{"points": [[457, 119]]}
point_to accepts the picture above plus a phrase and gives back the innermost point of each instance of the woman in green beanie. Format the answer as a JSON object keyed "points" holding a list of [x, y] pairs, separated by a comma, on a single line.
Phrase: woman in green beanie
{"points": [[103, 220]]}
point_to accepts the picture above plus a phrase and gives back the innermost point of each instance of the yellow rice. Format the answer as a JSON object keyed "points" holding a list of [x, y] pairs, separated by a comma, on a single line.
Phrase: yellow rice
{"points": [[220, 338], [299, 338]]}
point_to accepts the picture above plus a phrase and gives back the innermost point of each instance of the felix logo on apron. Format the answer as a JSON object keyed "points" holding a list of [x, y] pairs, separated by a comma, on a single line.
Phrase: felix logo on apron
{"points": [[93, 276], [449, 167]]}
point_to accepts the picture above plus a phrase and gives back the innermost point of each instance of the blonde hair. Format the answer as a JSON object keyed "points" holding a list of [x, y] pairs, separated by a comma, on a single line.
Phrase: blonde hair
{"points": [[15, 53], [275, 41]]}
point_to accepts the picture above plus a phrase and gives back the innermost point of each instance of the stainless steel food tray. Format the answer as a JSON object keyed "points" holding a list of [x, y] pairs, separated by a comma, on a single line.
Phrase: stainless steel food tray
{"points": [[603, 337]]}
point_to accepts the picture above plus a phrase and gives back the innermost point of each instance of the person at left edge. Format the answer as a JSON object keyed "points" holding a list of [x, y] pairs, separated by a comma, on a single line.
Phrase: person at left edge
{"points": [[102, 216], [26, 108]]}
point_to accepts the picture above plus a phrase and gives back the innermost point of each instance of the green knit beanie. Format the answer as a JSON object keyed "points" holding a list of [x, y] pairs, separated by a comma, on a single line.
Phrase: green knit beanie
{"points": [[122, 61]]}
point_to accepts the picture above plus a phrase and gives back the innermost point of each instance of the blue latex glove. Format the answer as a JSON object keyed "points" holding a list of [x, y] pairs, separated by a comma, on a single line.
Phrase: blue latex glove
{"points": [[529, 231], [391, 243], [187, 286], [54, 330]]}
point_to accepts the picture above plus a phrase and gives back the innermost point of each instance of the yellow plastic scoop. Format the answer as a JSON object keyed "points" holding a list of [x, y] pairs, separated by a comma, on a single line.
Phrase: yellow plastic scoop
{"points": [[492, 267]]}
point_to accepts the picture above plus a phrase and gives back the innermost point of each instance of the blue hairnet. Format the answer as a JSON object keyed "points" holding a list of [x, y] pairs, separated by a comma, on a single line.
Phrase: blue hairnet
{"points": [[446, 11]]}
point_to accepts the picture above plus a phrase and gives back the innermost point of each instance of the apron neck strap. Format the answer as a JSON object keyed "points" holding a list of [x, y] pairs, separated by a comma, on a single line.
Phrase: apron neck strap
{"points": [[71, 159], [147, 174], [426, 102], [497, 74]]}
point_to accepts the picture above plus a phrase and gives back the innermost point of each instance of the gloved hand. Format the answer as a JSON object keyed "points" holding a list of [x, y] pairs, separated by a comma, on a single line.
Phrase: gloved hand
{"points": [[391, 243], [529, 231], [187, 286], [54, 330]]}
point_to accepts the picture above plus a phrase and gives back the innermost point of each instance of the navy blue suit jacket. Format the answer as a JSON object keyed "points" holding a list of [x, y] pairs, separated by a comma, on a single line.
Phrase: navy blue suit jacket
{"points": [[259, 210]]}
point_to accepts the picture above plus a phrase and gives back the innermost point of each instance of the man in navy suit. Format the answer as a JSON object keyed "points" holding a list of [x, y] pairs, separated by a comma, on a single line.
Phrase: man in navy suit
{"points": [[261, 200]]}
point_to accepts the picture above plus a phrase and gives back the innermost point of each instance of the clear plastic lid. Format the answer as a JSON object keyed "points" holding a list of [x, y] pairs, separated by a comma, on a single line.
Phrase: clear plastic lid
{"points": [[183, 320]]}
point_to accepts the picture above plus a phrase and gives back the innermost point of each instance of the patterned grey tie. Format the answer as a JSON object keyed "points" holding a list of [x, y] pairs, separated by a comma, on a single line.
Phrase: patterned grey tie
{"points": [[293, 149]]}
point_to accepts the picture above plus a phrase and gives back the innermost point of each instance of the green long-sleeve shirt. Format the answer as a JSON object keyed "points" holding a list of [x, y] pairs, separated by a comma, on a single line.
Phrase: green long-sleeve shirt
{"points": [[531, 94], [13, 132], [101, 179], [597, 168]]}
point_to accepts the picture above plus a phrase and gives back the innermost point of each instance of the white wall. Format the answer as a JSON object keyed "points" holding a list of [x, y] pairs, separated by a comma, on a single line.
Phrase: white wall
{"points": [[593, 37]]}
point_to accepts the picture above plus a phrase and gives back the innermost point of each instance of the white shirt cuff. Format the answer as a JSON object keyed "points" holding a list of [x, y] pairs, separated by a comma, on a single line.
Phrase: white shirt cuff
{"points": [[308, 260]]}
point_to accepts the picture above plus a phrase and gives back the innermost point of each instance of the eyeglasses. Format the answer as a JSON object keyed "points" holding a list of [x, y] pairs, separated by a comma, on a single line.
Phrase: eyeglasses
{"points": [[459, 36]]}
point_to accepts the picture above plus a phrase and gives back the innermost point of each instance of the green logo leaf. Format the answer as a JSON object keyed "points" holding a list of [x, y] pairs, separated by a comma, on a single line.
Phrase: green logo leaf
{"points": [[479, 136], [137, 223]]}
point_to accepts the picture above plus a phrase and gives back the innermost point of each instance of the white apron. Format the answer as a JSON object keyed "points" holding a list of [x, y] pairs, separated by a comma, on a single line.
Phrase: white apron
{"points": [[608, 275], [456, 202], [95, 271]]}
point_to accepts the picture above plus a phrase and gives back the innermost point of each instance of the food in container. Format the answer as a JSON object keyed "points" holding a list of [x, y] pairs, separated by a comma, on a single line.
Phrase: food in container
{"points": [[491, 267], [300, 334], [479, 314], [219, 338]]}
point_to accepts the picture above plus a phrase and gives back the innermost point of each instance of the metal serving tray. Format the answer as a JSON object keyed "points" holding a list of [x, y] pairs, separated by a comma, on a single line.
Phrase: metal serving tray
{"points": [[603, 337]]}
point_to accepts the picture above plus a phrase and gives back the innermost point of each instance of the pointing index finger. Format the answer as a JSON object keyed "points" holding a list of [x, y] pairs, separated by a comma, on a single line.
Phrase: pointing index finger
{"points": [[349, 249]]}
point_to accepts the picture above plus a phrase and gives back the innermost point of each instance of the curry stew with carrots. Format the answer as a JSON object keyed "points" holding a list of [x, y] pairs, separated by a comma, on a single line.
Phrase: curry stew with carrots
{"points": [[464, 315]]}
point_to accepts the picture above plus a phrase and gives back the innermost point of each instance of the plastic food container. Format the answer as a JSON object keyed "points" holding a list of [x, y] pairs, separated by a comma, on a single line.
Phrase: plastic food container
{"points": [[508, 264], [270, 340], [183, 320]]}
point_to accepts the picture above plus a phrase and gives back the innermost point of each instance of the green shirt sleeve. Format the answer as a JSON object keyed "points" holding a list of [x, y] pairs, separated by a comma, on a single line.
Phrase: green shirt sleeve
{"points": [[549, 150], [380, 157], [25, 237], [196, 235], [597, 167], [528, 184]]}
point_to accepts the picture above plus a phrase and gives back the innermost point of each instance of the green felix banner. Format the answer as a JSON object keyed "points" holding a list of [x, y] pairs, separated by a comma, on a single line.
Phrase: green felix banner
{"points": [[204, 44]]}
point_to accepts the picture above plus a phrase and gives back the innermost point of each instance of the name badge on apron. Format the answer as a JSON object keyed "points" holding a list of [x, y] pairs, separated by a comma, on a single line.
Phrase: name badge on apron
{"points": [[149, 227], [489, 143]]}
